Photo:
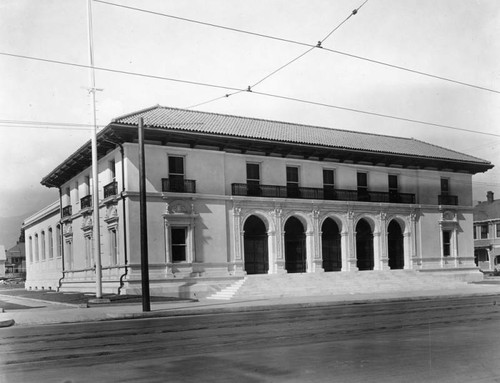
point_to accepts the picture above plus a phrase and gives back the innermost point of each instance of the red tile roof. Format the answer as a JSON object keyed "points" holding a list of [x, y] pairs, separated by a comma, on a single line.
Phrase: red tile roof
{"points": [[228, 125]]}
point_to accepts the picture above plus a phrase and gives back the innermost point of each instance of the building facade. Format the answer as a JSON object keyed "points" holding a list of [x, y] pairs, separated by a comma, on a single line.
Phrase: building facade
{"points": [[229, 196], [487, 234]]}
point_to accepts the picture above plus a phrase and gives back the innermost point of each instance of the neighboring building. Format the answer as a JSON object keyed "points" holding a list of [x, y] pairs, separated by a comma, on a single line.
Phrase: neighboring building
{"points": [[15, 264], [487, 233], [229, 196], [3, 259]]}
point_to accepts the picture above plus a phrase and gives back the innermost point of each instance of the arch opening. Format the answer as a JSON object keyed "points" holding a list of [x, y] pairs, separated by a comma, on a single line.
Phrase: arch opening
{"points": [[364, 246], [255, 246], [330, 246], [295, 246], [395, 241]]}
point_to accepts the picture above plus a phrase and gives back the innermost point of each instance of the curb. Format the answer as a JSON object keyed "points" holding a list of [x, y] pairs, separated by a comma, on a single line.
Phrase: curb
{"points": [[279, 306]]}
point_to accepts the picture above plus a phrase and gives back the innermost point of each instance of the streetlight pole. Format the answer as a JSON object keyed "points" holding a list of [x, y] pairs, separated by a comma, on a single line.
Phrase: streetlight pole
{"points": [[95, 176]]}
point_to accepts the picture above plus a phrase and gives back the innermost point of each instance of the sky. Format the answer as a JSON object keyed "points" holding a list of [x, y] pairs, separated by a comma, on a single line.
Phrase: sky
{"points": [[458, 40]]}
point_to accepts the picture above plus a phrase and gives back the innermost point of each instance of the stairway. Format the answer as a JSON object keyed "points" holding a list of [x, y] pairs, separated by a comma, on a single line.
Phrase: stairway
{"points": [[337, 283], [228, 292]]}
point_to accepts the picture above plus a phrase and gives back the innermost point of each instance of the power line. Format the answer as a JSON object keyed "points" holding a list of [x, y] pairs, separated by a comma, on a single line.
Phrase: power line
{"points": [[373, 113], [237, 90], [290, 41], [117, 71], [250, 87]]}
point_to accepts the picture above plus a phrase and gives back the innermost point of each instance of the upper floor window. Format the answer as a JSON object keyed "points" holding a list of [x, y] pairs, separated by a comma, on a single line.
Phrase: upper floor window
{"points": [[253, 178], [498, 230], [484, 231], [474, 230], [329, 183], [292, 181], [176, 173], [112, 170], [445, 186], [393, 188], [362, 186]]}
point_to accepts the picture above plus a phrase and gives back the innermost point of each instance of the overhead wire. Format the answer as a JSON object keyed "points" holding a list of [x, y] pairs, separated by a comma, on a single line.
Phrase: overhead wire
{"points": [[296, 42], [237, 90], [250, 87]]}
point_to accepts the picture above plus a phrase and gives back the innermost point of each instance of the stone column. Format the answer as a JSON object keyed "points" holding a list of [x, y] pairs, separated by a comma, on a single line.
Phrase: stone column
{"points": [[314, 250], [351, 240], [239, 238], [415, 261], [279, 260], [383, 247]]}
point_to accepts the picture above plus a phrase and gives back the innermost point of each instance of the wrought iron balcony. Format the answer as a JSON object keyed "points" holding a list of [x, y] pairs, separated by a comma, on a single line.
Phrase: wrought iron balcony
{"points": [[67, 211], [445, 199], [86, 202], [110, 189], [178, 185], [274, 191]]}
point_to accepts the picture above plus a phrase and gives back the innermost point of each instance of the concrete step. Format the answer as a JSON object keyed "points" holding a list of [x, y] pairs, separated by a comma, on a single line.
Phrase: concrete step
{"points": [[331, 283], [228, 292]]}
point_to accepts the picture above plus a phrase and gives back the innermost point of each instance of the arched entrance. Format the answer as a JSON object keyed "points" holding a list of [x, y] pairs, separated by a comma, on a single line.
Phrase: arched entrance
{"points": [[364, 246], [330, 243], [255, 246], [395, 245], [295, 246]]}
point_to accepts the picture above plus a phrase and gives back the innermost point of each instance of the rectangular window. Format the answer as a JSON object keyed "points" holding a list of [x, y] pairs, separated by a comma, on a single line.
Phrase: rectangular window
{"points": [[176, 173], [253, 179], [178, 244], [88, 251], [445, 186], [329, 183], [113, 247], [59, 240], [363, 187], [498, 230], [36, 247], [30, 249], [51, 244], [393, 188], [474, 230], [292, 182], [112, 170], [446, 243], [68, 254], [484, 231], [42, 247]]}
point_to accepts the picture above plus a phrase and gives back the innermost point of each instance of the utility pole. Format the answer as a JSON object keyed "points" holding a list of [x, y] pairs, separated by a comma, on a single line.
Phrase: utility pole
{"points": [[146, 305], [95, 176]]}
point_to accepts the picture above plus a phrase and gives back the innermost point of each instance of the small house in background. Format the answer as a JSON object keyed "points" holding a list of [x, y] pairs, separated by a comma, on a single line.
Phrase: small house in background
{"points": [[15, 264], [487, 234]]}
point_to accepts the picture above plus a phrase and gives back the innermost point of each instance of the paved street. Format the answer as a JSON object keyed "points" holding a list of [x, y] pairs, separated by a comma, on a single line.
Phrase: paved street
{"points": [[445, 340]]}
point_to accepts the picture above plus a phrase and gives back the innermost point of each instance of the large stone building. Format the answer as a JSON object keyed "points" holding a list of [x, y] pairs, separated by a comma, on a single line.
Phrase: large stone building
{"points": [[229, 196], [487, 233]]}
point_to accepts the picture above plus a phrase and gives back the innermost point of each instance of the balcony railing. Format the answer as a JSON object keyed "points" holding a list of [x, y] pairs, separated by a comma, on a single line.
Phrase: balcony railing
{"points": [[110, 189], [67, 211], [274, 191], [445, 199], [178, 186], [86, 202]]}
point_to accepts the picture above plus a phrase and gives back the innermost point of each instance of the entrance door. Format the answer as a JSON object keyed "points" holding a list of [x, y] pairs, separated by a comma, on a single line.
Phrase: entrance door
{"points": [[255, 246], [330, 240], [396, 247], [364, 245], [295, 246]]}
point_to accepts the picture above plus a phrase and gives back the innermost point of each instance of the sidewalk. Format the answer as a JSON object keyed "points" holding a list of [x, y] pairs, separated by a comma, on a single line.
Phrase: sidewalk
{"points": [[28, 311]]}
